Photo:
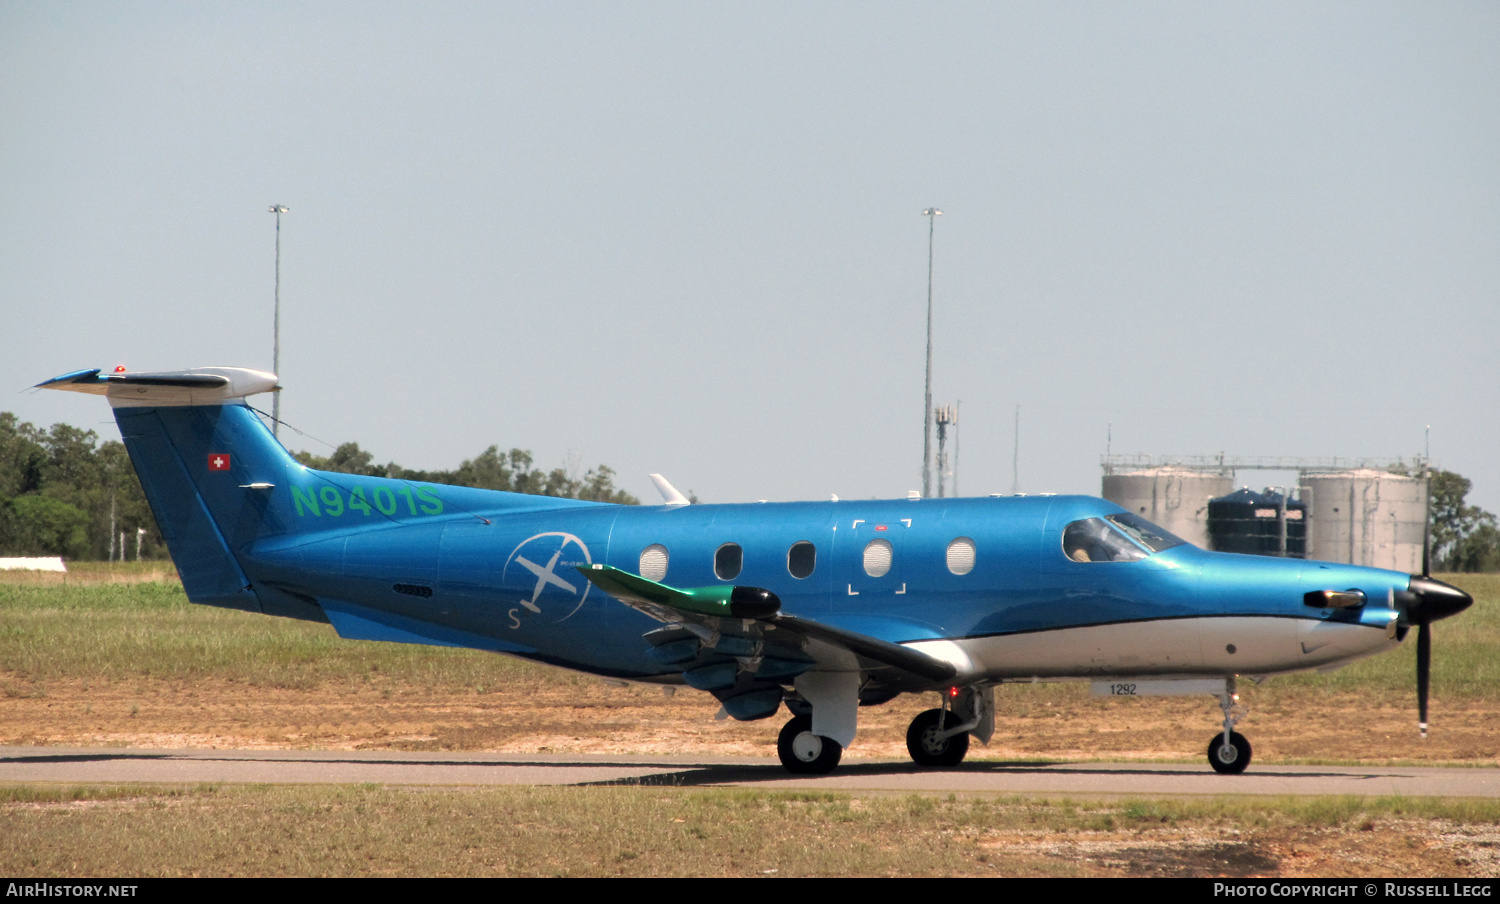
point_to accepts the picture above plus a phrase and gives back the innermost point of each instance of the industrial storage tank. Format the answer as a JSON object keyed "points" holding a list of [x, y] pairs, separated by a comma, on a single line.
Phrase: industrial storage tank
{"points": [[1366, 517], [1250, 522], [1172, 497]]}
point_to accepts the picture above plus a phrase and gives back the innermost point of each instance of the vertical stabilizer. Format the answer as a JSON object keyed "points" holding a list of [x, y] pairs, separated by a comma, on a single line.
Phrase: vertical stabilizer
{"points": [[204, 460], [207, 471]]}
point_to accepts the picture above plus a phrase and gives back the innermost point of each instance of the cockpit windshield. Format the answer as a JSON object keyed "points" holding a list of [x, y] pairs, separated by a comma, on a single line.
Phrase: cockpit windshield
{"points": [[1146, 533], [1119, 538]]}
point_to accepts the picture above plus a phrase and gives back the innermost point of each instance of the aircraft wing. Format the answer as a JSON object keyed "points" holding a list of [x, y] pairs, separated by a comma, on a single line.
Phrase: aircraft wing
{"points": [[727, 637]]}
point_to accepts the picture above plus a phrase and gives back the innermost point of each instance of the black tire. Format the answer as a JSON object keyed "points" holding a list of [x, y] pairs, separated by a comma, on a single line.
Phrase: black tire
{"points": [[1231, 760], [805, 753], [927, 749]]}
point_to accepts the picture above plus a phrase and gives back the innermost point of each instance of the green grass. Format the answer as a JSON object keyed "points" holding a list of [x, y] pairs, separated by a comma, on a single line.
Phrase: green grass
{"points": [[370, 831], [149, 629]]}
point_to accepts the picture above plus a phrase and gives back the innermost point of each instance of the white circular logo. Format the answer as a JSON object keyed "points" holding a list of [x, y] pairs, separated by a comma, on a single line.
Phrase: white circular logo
{"points": [[549, 560]]}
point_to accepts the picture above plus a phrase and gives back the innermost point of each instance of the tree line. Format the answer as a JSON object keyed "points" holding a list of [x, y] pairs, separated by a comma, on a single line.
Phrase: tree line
{"points": [[513, 472], [64, 493], [1464, 537]]}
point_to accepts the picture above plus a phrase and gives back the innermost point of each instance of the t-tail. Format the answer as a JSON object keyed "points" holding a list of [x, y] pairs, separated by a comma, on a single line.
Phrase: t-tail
{"points": [[226, 493], [197, 448]]}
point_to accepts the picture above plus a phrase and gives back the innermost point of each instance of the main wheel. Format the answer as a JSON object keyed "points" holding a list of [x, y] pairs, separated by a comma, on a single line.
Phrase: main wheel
{"points": [[1230, 759], [805, 753], [927, 748]]}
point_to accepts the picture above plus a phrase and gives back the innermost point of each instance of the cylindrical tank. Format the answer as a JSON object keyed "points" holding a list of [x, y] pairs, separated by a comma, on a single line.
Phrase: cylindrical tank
{"points": [[1250, 522], [1366, 517], [1173, 498]]}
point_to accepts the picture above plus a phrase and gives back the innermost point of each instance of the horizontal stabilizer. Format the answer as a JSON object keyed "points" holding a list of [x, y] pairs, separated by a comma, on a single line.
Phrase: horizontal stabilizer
{"points": [[198, 386]]}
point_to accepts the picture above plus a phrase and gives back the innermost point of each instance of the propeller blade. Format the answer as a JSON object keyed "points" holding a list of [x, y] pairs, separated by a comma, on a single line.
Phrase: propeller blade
{"points": [[1425, 601], [1424, 673]]}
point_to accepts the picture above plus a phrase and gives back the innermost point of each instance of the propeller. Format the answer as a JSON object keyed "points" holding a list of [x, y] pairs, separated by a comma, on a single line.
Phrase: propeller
{"points": [[1425, 601]]}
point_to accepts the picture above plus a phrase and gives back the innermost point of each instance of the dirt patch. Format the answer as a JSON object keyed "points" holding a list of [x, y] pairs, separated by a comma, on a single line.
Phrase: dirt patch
{"points": [[641, 719], [1385, 847]]}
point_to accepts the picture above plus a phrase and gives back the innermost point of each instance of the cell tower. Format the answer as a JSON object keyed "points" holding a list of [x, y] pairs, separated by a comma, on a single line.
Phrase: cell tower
{"points": [[947, 416]]}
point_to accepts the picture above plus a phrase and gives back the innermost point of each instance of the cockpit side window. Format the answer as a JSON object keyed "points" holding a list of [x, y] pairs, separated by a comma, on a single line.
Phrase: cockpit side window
{"points": [[1096, 540]]}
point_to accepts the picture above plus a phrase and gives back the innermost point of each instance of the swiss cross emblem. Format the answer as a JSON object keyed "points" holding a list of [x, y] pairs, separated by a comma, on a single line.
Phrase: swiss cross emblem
{"points": [[218, 461]]}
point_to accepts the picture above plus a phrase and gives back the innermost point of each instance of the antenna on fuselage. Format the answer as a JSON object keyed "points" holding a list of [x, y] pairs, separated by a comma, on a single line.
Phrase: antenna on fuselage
{"points": [[669, 493]]}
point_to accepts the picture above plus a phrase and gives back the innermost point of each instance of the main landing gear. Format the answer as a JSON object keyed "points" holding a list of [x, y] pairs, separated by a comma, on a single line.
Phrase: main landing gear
{"points": [[1229, 752], [934, 739], [939, 738], [805, 753]]}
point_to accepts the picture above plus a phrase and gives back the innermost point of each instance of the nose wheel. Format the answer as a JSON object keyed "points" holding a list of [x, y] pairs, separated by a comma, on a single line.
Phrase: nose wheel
{"points": [[805, 753], [1229, 752], [1230, 758]]}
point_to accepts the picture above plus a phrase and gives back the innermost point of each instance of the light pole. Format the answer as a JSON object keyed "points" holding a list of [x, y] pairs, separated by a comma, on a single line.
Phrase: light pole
{"points": [[277, 209], [931, 213]]}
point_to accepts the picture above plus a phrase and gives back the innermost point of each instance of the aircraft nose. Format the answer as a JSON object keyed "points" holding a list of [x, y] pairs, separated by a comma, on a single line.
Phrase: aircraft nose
{"points": [[1434, 600]]}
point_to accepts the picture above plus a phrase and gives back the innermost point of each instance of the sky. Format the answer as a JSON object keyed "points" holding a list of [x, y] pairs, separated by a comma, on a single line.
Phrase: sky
{"points": [[688, 238]]}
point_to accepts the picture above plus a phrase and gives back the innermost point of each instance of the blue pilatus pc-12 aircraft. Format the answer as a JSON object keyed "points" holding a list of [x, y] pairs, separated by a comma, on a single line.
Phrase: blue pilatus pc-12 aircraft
{"points": [[822, 607]]}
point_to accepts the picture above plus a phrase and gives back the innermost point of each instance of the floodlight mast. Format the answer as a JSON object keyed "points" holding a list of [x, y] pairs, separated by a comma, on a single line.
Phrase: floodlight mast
{"points": [[277, 209], [931, 213]]}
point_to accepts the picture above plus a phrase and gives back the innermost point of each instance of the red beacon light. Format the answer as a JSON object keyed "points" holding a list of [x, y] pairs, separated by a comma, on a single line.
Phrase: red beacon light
{"points": [[119, 368]]}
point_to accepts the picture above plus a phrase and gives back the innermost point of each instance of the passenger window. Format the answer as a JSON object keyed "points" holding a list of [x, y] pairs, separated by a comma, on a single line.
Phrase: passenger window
{"points": [[801, 559], [654, 562], [877, 558], [728, 561], [1096, 540], [961, 556]]}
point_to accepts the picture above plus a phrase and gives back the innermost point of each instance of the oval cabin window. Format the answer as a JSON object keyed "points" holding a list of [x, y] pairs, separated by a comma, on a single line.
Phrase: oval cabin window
{"points": [[877, 558], [801, 559], [728, 561], [961, 556], [654, 562]]}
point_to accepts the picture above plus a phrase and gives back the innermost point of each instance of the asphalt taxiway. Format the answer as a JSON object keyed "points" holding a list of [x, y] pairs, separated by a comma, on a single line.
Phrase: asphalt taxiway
{"points": [[106, 765]]}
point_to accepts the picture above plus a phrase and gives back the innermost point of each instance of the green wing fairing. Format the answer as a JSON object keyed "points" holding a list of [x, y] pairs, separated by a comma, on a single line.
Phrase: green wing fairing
{"points": [[721, 601], [729, 617]]}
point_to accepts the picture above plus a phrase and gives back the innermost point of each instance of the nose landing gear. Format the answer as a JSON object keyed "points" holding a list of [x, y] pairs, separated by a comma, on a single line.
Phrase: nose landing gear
{"points": [[1229, 758], [1229, 752]]}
